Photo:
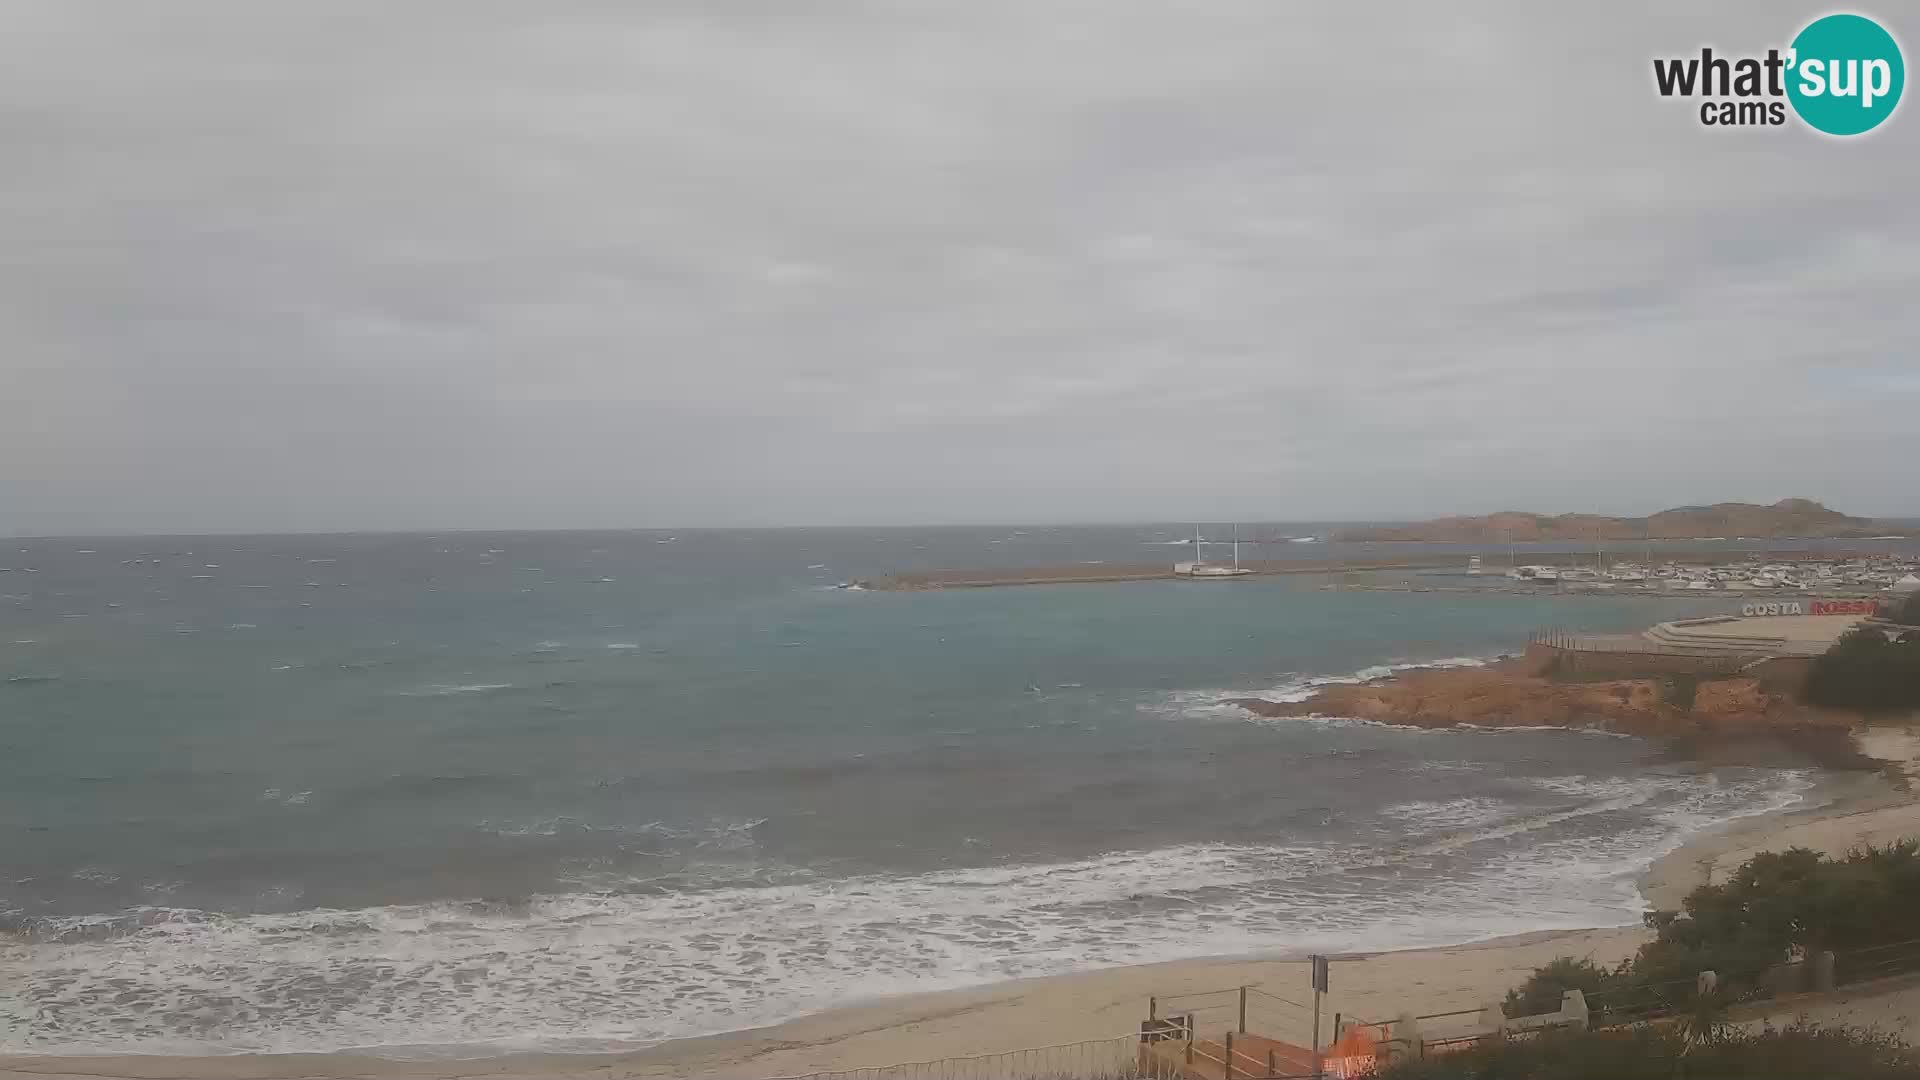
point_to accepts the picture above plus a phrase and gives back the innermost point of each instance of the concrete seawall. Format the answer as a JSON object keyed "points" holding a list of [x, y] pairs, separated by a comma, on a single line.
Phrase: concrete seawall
{"points": [[1777, 674]]}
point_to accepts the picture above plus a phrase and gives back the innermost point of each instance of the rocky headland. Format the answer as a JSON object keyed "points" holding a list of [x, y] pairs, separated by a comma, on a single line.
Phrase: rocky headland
{"points": [[1722, 719]]}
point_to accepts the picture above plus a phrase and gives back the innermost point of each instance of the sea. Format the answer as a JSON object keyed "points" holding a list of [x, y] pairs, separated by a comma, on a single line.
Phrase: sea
{"points": [[468, 793]]}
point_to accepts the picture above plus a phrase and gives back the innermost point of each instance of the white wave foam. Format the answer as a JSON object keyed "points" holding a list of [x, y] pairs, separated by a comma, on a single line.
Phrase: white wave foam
{"points": [[718, 835], [616, 968], [442, 690], [1448, 814], [1496, 729], [552, 826], [1303, 689], [623, 645], [1606, 788], [1217, 704]]}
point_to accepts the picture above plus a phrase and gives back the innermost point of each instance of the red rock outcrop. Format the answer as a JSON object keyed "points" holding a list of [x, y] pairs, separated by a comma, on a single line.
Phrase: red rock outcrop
{"points": [[1507, 695]]}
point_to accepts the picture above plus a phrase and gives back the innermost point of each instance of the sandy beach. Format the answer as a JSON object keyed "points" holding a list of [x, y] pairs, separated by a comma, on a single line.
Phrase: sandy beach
{"points": [[1849, 810]]}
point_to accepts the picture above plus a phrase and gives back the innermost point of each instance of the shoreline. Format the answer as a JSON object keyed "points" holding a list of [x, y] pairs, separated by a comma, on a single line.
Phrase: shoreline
{"points": [[1110, 1002], [1702, 857]]}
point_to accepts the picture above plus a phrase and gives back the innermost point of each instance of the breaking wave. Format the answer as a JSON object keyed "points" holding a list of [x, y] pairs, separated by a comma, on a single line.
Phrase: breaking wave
{"points": [[1216, 703], [621, 966]]}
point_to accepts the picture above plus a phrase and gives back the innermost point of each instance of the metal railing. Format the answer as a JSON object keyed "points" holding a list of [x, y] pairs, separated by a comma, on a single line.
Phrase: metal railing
{"points": [[1240, 1009], [1875, 962], [1235, 1064], [1178, 1019], [1256, 1031], [1447, 1015], [1641, 1002], [1718, 658]]}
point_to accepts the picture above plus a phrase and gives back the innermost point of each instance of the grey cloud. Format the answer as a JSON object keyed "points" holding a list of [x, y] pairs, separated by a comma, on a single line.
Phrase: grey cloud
{"points": [[365, 266]]}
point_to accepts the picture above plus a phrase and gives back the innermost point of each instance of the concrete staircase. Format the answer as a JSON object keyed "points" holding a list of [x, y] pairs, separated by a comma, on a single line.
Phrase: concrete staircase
{"points": [[1684, 637]]}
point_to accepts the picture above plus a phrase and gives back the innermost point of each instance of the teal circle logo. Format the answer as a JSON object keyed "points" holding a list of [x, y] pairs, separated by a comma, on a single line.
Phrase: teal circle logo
{"points": [[1845, 74]]}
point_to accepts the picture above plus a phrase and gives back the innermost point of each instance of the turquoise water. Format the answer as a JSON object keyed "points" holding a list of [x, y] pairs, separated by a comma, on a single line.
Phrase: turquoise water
{"points": [[585, 790]]}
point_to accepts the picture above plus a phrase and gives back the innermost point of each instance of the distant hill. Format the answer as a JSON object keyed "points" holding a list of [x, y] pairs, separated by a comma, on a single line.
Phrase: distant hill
{"points": [[1786, 518]]}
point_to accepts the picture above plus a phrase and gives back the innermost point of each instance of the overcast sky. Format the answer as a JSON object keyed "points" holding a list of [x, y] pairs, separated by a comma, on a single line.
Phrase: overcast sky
{"points": [[319, 265]]}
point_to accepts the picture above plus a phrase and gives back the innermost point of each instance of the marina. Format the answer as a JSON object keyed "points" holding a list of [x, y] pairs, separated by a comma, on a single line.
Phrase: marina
{"points": [[1694, 572], [1806, 574]]}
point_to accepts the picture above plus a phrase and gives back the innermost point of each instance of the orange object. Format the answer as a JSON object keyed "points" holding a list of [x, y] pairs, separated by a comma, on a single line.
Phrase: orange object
{"points": [[1352, 1055]]}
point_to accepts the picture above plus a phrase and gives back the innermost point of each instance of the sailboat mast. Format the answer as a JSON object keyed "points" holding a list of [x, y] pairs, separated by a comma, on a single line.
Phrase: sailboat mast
{"points": [[1236, 545]]}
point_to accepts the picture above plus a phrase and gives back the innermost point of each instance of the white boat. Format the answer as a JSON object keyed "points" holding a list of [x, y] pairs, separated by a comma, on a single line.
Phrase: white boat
{"points": [[1546, 573], [1473, 564], [1200, 568], [1208, 571]]}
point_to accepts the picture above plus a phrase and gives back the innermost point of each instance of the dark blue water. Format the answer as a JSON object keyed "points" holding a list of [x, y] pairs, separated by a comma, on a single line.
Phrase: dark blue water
{"points": [[580, 790]]}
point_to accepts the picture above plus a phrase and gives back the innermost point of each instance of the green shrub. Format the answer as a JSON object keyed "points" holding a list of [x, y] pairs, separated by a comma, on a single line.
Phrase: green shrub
{"points": [[1865, 671], [1906, 611], [1542, 991], [1799, 1052], [1774, 903], [1682, 690]]}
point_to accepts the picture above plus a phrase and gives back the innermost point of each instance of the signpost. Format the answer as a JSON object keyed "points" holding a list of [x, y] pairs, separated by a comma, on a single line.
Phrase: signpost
{"points": [[1319, 988]]}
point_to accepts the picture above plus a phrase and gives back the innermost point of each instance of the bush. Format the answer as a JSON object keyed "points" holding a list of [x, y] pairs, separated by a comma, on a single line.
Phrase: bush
{"points": [[1774, 903], [1542, 991], [1777, 900], [1799, 1052], [1682, 691], [1865, 671], [1906, 611]]}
